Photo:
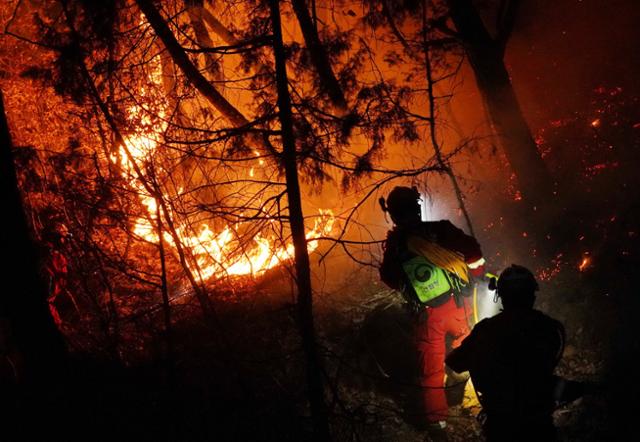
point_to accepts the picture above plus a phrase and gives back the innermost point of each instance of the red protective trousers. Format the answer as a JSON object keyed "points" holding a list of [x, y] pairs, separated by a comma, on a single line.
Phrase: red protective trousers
{"points": [[446, 319]]}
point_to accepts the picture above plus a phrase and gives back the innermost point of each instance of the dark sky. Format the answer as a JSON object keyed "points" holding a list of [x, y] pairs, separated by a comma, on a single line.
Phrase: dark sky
{"points": [[563, 49]]}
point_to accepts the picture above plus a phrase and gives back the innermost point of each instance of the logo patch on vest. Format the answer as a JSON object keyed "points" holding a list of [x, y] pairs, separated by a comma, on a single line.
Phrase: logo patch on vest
{"points": [[428, 280]]}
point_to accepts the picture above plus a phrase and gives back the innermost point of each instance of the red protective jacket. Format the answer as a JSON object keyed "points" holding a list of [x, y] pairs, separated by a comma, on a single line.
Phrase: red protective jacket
{"points": [[446, 315]]}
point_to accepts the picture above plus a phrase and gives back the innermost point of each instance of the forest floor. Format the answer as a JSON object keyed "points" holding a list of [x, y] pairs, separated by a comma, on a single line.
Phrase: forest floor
{"points": [[241, 377], [378, 383]]}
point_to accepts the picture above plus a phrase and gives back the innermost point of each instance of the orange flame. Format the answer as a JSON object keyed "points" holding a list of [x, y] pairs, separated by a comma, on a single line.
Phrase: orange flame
{"points": [[214, 254], [584, 264]]}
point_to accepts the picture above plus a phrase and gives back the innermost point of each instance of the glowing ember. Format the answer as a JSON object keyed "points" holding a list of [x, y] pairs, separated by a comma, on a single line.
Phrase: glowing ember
{"points": [[584, 264], [517, 196], [548, 273], [593, 170], [595, 123]]}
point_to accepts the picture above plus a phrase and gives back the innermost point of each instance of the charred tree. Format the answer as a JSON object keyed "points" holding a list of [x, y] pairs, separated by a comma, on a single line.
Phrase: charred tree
{"points": [[27, 323], [296, 220], [486, 56]]}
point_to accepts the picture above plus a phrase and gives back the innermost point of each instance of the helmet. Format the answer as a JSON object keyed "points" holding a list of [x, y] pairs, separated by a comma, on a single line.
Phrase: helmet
{"points": [[516, 279], [402, 200]]}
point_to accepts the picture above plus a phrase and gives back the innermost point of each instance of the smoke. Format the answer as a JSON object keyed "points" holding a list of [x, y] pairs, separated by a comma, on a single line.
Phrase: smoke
{"points": [[488, 304]]}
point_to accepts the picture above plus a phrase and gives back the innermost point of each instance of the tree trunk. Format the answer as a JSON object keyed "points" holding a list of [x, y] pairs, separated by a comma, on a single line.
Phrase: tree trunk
{"points": [[319, 57], [196, 12], [296, 221], [486, 58], [219, 28], [26, 322]]}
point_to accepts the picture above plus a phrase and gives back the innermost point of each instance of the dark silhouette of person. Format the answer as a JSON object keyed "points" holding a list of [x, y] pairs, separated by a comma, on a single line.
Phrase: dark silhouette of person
{"points": [[511, 357], [431, 264]]}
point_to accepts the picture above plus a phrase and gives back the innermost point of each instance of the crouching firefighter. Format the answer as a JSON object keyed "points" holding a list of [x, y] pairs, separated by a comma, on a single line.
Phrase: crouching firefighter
{"points": [[511, 357], [431, 264]]}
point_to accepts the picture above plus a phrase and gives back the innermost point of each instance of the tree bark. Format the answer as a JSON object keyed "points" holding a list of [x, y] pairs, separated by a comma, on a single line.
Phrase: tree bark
{"points": [[319, 56], [296, 221], [24, 310], [486, 58]]}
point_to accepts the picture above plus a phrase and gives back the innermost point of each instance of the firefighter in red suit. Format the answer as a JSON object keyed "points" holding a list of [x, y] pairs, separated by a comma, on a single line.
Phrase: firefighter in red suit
{"points": [[431, 265]]}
